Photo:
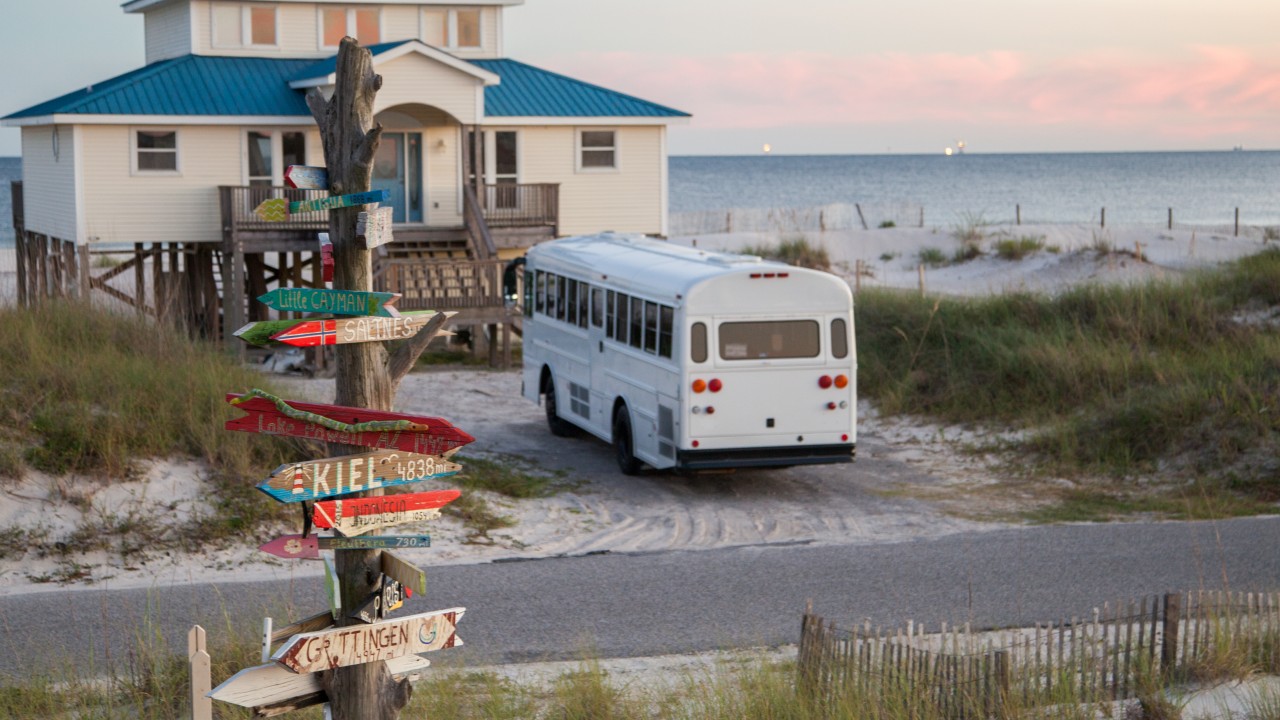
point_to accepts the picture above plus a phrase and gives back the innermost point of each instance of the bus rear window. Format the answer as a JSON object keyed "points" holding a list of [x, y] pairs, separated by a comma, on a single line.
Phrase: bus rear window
{"points": [[839, 339], [698, 342], [774, 339]]}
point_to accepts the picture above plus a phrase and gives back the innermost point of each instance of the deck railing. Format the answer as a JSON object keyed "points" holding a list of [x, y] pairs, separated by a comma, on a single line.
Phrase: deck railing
{"points": [[521, 205], [238, 204], [443, 284]]}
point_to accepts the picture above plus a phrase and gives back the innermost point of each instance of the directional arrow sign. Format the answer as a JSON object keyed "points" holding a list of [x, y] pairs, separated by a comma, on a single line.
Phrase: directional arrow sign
{"points": [[306, 177], [337, 302], [260, 332], [272, 686], [403, 572], [320, 479], [426, 436], [279, 209], [356, 516], [373, 227], [359, 644], [342, 331], [296, 547]]}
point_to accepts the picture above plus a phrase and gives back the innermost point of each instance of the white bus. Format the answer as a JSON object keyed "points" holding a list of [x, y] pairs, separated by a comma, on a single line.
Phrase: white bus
{"points": [[688, 359]]}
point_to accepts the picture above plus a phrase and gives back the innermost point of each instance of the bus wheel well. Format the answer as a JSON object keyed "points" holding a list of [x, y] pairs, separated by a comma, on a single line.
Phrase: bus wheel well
{"points": [[618, 404], [545, 382]]}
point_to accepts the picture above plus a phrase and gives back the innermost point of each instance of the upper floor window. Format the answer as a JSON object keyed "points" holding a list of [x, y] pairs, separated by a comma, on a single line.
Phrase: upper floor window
{"points": [[453, 29], [363, 24], [597, 150], [155, 151], [244, 25]]}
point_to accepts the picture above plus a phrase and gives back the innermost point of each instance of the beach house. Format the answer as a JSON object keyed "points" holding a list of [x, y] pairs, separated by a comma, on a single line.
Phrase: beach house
{"points": [[482, 155]]}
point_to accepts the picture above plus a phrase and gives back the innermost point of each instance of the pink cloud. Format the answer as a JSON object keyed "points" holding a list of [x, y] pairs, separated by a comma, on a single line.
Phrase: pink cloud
{"points": [[1201, 92]]}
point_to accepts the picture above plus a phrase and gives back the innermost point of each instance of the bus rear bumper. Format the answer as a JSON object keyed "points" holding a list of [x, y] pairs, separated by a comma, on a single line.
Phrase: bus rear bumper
{"points": [[764, 457]]}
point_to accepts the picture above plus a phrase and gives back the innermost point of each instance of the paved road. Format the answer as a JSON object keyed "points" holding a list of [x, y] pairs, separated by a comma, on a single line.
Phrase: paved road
{"points": [[632, 605]]}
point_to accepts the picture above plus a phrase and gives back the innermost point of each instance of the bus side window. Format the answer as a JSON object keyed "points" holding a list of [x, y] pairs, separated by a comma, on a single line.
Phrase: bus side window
{"points": [[528, 293], [560, 292], [551, 295], [540, 298], [597, 307], [620, 320], [698, 342], [582, 304], [571, 297], [664, 330], [637, 321], [611, 316], [839, 339], [650, 327]]}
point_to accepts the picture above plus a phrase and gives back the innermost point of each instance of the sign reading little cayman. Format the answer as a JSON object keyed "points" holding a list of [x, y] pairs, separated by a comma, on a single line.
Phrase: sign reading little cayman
{"points": [[355, 516], [359, 644], [310, 333], [338, 302], [319, 479]]}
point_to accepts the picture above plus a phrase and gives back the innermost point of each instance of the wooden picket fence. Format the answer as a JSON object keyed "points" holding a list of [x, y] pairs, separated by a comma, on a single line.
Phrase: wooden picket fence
{"points": [[958, 672]]}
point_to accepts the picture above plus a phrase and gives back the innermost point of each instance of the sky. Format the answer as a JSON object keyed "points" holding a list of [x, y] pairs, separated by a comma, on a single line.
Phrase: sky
{"points": [[832, 76]]}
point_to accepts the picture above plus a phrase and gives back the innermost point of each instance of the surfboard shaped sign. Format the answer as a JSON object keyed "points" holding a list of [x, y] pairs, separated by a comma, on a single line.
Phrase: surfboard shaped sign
{"points": [[344, 331], [297, 547], [268, 688], [279, 209], [359, 644], [320, 479], [356, 516]]}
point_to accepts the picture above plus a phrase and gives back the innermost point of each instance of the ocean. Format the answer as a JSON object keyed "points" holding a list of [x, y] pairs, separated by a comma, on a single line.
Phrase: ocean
{"points": [[1203, 188]]}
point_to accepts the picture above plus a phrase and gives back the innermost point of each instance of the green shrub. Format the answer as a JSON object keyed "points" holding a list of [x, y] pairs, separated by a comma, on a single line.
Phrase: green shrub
{"points": [[1017, 248], [932, 257]]}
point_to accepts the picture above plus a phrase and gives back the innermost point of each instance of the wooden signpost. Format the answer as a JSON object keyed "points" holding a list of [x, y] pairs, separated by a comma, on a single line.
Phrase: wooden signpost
{"points": [[421, 435], [373, 227], [320, 479], [306, 177], [336, 302], [279, 209], [341, 331], [359, 644], [271, 689], [356, 516], [297, 547]]}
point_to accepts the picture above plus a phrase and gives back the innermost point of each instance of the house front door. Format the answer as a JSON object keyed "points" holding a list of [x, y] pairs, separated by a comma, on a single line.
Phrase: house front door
{"points": [[397, 168]]}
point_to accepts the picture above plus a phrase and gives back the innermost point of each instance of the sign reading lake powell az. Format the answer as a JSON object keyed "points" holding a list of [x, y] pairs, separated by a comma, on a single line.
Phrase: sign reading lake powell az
{"points": [[359, 644], [349, 426], [356, 516], [319, 479]]}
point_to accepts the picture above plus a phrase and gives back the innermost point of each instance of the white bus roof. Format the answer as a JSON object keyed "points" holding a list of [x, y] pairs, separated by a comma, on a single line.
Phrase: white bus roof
{"points": [[647, 266]]}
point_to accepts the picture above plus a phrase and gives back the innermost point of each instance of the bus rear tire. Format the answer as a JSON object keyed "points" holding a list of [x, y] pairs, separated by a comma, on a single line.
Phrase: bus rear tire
{"points": [[623, 448], [556, 424]]}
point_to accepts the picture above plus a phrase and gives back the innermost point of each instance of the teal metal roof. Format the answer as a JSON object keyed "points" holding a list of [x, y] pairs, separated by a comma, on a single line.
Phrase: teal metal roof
{"points": [[527, 91], [250, 86], [188, 85]]}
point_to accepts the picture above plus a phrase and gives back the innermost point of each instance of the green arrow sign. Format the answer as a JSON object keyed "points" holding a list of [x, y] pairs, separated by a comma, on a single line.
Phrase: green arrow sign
{"points": [[338, 302]]}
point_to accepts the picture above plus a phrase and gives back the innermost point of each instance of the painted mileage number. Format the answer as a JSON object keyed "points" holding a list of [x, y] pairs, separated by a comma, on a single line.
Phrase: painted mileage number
{"points": [[413, 542], [422, 467]]}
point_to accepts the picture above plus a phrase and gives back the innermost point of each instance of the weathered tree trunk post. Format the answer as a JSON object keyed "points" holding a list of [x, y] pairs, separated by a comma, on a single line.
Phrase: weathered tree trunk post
{"points": [[364, 379]]}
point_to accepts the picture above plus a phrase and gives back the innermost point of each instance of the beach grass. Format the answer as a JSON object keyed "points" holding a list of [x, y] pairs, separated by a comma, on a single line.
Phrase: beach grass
{"points": [[1170, 378], [794, 249]]}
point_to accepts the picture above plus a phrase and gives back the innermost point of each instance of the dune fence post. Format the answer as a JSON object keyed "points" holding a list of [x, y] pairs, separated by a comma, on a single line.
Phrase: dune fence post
{"points": [[1104, 217], [1237, 232], [920, 273], [1017, 214], [201, 682], [1169, 646], [1170, 218]]}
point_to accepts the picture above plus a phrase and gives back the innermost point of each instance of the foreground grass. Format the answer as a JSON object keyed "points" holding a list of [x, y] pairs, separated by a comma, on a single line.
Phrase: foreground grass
{"points": [[91, 392], [1119, 382]]}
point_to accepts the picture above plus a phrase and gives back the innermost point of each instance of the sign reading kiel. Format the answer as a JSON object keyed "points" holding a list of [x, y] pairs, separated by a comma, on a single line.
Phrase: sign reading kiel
{"points": [[356, 516], [310, 333], [359, 644], [338, 302], [318, 479], [279, 209], [347, 426]]}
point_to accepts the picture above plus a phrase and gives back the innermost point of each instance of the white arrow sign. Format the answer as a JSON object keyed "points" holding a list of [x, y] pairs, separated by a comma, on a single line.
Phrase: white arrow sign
{"points": [[271, 685]]}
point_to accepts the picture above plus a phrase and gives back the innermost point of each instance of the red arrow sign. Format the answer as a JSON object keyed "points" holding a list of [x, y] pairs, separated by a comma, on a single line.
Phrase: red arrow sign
{"points": [[341, 331], [352, 516], [429, 436]]}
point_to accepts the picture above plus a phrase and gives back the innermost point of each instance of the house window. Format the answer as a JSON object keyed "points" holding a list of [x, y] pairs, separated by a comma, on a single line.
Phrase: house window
{"points": [[155, 151], [269, 152], [597, 150], [363, 24], [451, 29], [238, 25]]}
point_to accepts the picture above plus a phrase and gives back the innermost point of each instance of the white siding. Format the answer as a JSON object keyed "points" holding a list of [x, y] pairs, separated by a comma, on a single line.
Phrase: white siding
{"points": [[418, 80], [122, 207], [168, 31], [489, 40], [627, 200], [48, 182], [444, 175]]}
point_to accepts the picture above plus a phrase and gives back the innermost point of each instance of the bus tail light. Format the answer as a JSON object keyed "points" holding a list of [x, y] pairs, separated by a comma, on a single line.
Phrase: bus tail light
{"points": [[824, 382], [831, 406], [695, 442], [715, 385], [710, 410], [843, 438], [842, 381], [699, 385]]}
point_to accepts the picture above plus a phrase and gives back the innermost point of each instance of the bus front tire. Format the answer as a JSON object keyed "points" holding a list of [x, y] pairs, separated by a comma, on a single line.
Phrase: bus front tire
{"points": [[558, 425], [622, 445]]}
